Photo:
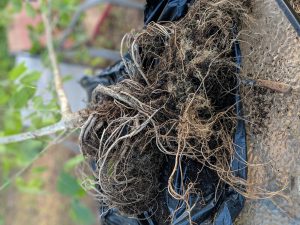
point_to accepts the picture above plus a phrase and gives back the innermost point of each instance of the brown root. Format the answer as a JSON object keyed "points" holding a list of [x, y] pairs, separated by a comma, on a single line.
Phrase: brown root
{"points": [[178, 100]]}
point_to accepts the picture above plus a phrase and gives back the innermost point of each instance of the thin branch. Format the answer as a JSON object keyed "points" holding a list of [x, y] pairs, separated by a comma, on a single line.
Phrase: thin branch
{"points": [[34, 134], [64, 104], [70, 122]]}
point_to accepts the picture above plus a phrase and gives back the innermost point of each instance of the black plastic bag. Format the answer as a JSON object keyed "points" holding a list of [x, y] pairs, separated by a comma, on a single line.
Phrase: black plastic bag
{"points": [[222, 203]]}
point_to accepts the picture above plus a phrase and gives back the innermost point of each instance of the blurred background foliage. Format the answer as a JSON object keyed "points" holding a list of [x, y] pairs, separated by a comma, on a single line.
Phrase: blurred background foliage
{"points": [[17, 92], [39, 182]]}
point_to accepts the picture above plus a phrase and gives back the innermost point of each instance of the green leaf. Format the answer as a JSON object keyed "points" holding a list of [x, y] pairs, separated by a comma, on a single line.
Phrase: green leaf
{"points": [[96, 62], [31, 78], [17, 5], [6, 167], [40, 28], [30, 149], [72, 163], [1, 220], [64, 19], [22, 96], [3, 4], [2, 149], [33, 186], [38, 102], [17, 71], [51, 119], [36, 120], [39, 169], [3, 96], [44, 7], [68, 185], [12, 122], [30, 10], [88, 72], [81, 214], [67, 78], [52, 105], [36, 47]]}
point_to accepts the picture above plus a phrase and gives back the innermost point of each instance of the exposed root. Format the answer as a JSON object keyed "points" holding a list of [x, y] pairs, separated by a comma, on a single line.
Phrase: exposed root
{"points": [[178, 100]]}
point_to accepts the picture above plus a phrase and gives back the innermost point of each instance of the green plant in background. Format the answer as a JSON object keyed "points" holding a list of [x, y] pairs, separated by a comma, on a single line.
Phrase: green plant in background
{"points": [[21, 109], [1, 220], [69, 186], [34, 185], [6, 61], [17, 95], [81, 214]]}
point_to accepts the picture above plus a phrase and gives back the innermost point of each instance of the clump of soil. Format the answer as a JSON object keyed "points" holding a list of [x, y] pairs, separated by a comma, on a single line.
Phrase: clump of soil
{"points": [[178, 100], [296, 5]]}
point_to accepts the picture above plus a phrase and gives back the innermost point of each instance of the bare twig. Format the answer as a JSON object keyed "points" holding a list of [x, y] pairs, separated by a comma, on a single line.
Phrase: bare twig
{"points": [[64, 104], [34, 134], [71, 121]]}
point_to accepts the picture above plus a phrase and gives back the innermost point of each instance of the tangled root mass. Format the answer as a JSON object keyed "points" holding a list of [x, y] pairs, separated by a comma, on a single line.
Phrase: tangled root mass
{"points": [[178, 99]]}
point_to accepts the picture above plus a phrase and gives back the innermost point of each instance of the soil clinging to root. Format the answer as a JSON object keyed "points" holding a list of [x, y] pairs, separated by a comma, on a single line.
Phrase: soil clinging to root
{"points": [[296, 5], [178, 100]]}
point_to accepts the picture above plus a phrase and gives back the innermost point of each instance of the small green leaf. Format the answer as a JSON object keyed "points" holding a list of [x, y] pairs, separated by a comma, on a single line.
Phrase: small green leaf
{"points": [[1, 220], [22, 96], [38, 102], [88, 72], [12, 122], [33, 186], [2, 149], [68, 185], [40, 28], [36, 47], [96, 61], [64, 19], [44, 6], [72, 163], [4, 97], [67, 78], [31, 78], [39, 169], [17, 5], [51, 119], [31, 149], [36, 120], [17, 71], [30, 10], [81, 214], [3, 4], [52, 105]]}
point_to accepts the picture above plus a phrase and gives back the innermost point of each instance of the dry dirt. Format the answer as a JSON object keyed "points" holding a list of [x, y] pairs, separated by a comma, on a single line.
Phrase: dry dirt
{"points": [[272, 52]]}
